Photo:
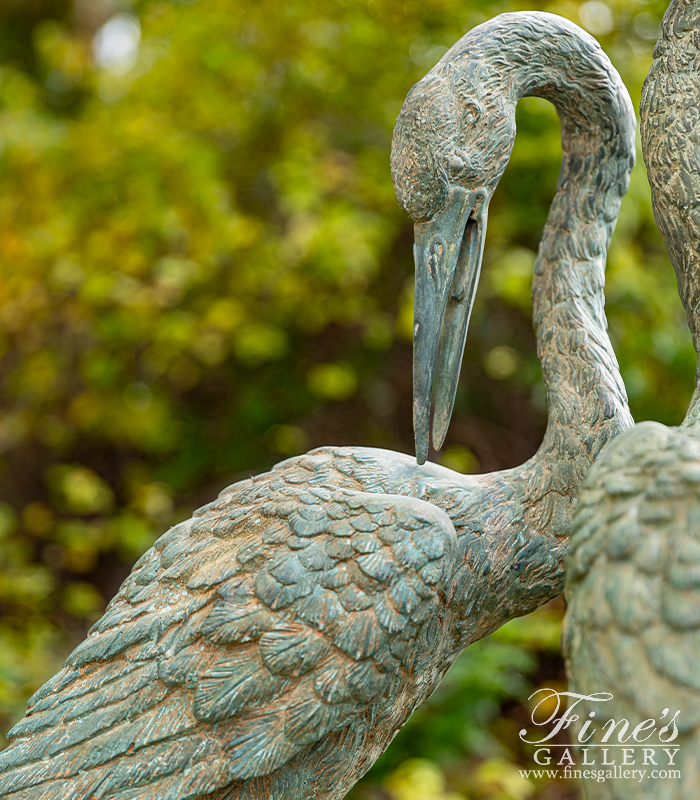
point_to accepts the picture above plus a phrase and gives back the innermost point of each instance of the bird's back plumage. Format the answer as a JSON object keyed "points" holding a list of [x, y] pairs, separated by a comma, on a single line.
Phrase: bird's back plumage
{"points": [[632, 626], [291, 608]]}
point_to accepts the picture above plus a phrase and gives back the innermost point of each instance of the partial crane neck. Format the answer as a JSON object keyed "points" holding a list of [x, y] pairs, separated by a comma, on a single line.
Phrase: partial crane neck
{"points": [[680, 21], [670, 139], [586, 397], [587, 401]]}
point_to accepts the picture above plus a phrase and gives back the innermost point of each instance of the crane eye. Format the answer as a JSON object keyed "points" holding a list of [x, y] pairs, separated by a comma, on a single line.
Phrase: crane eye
{"points": [[458, 163], [472, 111]]}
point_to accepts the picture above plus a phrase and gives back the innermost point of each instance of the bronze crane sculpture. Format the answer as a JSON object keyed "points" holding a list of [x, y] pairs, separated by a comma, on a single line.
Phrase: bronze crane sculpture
{"points": [[272, 646], [633, 570]]}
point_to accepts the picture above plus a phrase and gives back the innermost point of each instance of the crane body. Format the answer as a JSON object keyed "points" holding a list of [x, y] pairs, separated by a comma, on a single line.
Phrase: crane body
{"points": [[271, 647]]}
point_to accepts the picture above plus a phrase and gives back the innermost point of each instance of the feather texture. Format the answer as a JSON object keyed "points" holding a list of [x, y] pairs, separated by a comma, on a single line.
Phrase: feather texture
{"points": [[225, 660], [632, 626]]}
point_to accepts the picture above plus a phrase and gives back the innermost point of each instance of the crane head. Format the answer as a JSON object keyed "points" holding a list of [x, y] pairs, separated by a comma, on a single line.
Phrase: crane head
{"points": [[451, 144]]}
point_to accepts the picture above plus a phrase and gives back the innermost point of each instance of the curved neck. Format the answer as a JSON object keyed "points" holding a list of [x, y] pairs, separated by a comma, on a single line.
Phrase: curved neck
{"points": [[670, 133], [546, 56], [586, 395]]}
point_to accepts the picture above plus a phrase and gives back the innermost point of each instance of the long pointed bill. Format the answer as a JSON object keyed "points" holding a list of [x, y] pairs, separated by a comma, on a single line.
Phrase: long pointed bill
{"points": [[448, 252], [456, 322]]}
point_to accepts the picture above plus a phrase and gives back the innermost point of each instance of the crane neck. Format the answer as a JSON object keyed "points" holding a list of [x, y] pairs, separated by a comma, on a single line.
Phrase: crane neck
{"points": [[545, 56], [513, 525], [670, 132], [680, 21]]}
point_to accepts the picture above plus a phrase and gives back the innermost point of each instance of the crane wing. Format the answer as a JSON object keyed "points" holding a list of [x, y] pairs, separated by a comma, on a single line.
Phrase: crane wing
{"points": [[277, 615], [632, 626]]}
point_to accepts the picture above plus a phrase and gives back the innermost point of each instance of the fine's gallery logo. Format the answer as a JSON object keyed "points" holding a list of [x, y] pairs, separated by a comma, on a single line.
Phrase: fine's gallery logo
{"points": [[615, 748]]}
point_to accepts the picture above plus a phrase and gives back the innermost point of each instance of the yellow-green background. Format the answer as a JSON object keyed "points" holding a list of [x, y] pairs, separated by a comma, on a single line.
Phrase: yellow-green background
{"points": [[203, 270]]}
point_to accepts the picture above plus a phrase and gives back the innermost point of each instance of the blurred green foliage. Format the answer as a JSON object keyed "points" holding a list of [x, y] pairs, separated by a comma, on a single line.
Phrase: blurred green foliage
{"points": [[203, 269]]}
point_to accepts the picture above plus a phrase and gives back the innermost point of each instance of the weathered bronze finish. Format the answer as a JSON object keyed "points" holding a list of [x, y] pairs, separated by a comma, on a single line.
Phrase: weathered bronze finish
{"points": [[633, 570], [271, 646]]}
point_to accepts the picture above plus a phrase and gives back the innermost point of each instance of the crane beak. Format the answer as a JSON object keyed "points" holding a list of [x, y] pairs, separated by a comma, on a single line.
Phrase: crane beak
{"points": [[448, 251]]}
